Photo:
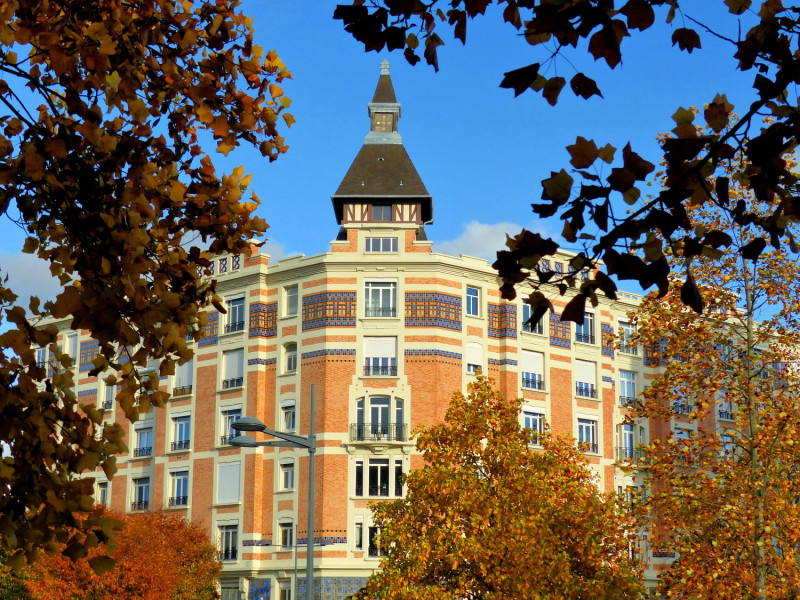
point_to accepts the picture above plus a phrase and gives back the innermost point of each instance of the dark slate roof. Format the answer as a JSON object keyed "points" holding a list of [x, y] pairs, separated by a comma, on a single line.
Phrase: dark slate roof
{"points": [[384, 93]]}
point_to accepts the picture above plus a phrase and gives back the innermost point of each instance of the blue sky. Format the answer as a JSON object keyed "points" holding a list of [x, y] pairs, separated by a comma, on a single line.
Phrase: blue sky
{"points": [[481, 152]]}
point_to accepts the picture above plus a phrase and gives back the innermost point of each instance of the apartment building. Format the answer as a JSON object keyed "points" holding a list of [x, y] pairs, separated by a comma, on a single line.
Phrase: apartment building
{"points": [[386, 330]]}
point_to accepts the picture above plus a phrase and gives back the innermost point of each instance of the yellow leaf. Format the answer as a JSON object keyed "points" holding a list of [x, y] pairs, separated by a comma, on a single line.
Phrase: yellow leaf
{"points": [[113, 80]]}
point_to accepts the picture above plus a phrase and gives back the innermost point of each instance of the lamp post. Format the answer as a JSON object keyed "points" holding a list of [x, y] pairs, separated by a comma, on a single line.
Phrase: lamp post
{"points": [[288, 440]]}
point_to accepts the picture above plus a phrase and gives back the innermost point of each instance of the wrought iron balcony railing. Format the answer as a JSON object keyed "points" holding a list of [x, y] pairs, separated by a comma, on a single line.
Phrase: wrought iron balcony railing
{"points": [[143, 451], [228, 554], [179, 501], [532, 381], [629, 453], [180, 445], [140, 505], [235, 326], [584, 338], [585, 390], [233, 382], [380, 311], [182, 390], [374, 371], [378, 432]]}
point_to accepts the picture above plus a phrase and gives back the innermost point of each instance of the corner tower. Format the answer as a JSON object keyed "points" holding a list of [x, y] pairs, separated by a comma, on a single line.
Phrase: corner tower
{"points": [[382, 188]]}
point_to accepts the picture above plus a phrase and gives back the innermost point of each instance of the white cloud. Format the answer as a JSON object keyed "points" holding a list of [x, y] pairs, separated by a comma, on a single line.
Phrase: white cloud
{"points": [[28, 276], [479, 239], [276, 251]]}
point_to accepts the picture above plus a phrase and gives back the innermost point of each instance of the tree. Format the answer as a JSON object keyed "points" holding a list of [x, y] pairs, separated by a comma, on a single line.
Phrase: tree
{"points": [[12, 585], [157, 556], [596, 212], [107, 106], [724, 468], [489, 516]]}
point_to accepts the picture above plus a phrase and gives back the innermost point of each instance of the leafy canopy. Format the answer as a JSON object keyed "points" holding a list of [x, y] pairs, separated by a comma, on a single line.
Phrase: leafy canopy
{"points": [[104, 106], [593, 206], [489, 516]]}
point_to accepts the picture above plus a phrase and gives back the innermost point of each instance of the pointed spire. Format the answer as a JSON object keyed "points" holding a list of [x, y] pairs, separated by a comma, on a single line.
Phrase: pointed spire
{"points": [[384, 93]]}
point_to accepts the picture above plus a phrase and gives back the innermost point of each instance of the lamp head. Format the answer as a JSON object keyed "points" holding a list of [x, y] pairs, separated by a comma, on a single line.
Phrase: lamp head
{"points": [[243, 441], [248, 424]]}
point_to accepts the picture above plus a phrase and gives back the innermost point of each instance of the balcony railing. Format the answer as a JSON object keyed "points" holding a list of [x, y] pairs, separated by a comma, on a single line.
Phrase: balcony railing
{"points": [[584, 338], [373, 550], [140, 505], [629, 349], [591, 447], [627, 401], [225, 440], [532, 381], [182, 390], [378, 432], [725, 414], [374, 371], [179, 501], [106, 404], [180, 445], [143, 451], [228, 554], [380, 311], [681, 408], [233, 327], [630, 453], [585, 390], [233, 382]]}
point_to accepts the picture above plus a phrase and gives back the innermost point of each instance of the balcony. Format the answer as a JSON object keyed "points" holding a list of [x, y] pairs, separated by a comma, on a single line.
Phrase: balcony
{"points": [[182, 390], [629, 349], [532, 381], [725, 414], [590, 447], [374, 371], [180, 445], [381, 489], [378, 432], [234, 327], [381, 311], [584, 338], [143, 451], [627, 401], [233, 382], [629, 453], [681, 407], [179, 501], [225, 440], [585, 390], [140, 505], [106, 404], [228, 554]]}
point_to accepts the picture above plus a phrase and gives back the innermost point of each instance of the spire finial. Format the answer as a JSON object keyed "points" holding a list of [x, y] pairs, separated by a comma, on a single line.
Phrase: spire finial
{"points": [[384, 67]]}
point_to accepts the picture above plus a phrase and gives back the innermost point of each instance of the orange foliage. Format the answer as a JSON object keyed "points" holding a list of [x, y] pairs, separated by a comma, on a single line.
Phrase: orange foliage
{"points": [[157, 557]]}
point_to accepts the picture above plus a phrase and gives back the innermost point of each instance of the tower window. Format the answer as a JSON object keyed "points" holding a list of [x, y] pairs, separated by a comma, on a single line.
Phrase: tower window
{"points": [[382, 212]]}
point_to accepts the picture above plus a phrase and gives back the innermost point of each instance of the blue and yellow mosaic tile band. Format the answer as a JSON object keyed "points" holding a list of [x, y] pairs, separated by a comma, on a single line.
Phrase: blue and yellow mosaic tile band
{"points": [[502, 320], [263, 319], [429, 309], [329, 309]]}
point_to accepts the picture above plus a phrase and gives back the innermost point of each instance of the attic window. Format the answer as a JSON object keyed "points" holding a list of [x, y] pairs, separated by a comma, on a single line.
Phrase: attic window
{"points": [[381, 212]]}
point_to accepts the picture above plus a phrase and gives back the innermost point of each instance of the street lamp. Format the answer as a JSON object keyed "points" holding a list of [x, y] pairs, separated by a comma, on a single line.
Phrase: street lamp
{"points": [[288, 440]]}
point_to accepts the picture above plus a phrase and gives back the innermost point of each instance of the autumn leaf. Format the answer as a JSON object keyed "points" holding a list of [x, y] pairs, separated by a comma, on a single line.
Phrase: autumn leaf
{"points": [[520, 79], [686, 39]]}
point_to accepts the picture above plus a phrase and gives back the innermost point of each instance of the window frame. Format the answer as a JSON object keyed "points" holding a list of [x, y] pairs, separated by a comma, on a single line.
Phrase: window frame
{"points": [[589, 424], [237, 381], [535, 420], [291, 295], [288, 407], [375, 305], [472, 301], [379, 210], [235, 321], [527, 311], [225, 423], [290, 358], [177, 476], [228, 541], [140, 492], [585, 333], [286, 533], [371, 241], [181, 428], [287, 474]]}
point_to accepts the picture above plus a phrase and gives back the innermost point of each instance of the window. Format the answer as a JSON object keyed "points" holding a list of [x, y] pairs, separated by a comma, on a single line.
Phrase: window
{"points": [[101, 493], [228, 482], [235, 315], [725, 408], [380, 299], [286, 533], [379, 477], [627, 387], [144, 442], [290, 358], [183, 379], [229, 417], [230, 591], [587, 434], [626, 345], [534, 420], [380, 356], [141, 493], [228, 541], [72, 348], [284, 590], [41, 357], [109, 392], [233, 369], [359, 533], [474, 356], [727, 446], [375, 421], [532, 370], [381, 244], [538, 329], [681, 433], [287, 474], [373, 550], [627, 443], [288, 415], [291, 300], [179, 488], [585, 379], [181, 432], [381, 212], [359, 491], [473, 297], [398, 477], [584, 332]]}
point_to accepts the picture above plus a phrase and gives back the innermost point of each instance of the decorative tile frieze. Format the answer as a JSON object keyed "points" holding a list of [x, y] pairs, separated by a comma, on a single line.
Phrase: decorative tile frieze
{"points": [[429, 309], [328, 352], [210, 331], [560, 331], [329, 309], [263, 319], [87, 352], [607, 339], [502, 320], [442, 353]]}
